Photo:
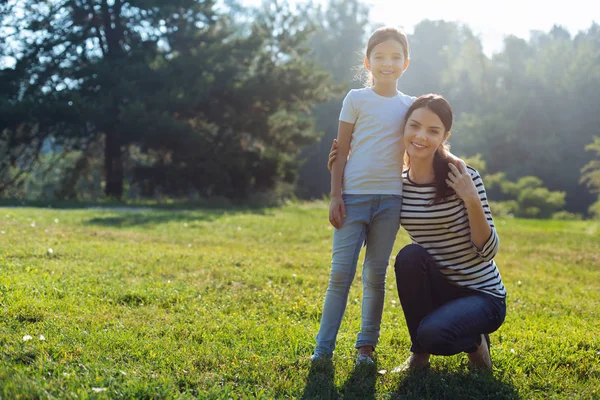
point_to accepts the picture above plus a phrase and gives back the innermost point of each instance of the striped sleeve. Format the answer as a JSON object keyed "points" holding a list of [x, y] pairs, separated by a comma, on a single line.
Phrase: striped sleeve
{"points": [[490, 248], [491, 245]]}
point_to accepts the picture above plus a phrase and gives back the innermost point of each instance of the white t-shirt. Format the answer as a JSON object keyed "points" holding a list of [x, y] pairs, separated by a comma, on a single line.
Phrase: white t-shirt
{"points": [[375, 162]]}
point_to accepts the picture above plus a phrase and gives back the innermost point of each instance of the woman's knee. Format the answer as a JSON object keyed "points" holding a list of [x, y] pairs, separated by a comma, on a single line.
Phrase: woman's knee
{"points": [[409, 257], [433, 338]]}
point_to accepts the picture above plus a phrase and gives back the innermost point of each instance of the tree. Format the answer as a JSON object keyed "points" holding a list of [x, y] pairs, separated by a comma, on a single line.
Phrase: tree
{"points": [[214, 109], [591, 175], [256, 114], [539, 113], [92, 61]]}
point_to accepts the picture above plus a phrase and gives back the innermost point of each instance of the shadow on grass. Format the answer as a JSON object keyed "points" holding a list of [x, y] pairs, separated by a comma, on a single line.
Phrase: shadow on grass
{"points": [[217, 203], [319, 384], [443, 384], [136, 218], [360, 385]]}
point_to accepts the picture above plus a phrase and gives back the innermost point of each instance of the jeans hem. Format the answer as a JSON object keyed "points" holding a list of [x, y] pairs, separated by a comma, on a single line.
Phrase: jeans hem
{"points": [[365, 343]]}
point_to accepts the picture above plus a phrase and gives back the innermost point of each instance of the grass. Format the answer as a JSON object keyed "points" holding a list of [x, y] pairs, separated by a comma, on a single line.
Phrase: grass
{"points": [[215, 303]]}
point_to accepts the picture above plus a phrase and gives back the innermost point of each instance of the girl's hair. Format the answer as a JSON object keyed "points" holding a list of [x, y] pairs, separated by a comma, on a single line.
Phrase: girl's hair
{"points": [[440, 107], [381, 35]]}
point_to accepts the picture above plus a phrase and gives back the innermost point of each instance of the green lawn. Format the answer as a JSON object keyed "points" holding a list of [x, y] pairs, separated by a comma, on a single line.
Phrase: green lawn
{"points": [[226, 304]]}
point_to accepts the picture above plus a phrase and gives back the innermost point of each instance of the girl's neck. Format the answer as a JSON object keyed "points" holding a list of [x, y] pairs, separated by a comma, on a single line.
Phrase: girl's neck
{"points": [[421, 171], [385, 90]]}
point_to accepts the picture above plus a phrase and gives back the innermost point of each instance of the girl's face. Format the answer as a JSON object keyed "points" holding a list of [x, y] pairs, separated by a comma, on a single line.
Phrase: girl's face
{"points": [[423, 134], [387, 62]]}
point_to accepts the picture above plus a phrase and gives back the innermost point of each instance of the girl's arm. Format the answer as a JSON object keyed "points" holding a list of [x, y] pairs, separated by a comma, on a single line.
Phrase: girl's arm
{"points": [[333, 154], [336, 209], [483, 234]]}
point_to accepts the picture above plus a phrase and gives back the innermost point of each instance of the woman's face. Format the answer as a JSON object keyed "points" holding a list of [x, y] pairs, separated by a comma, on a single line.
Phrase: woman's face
{"points": [[423, 134]]}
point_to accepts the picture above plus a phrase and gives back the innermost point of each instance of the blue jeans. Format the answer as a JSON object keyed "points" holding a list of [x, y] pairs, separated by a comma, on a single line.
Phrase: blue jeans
{"points": [[442, 318], [376, 219]]}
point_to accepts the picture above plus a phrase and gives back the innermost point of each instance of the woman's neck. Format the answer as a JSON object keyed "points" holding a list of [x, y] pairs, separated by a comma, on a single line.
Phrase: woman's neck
{"points": [[421, 171], [386, 90]]}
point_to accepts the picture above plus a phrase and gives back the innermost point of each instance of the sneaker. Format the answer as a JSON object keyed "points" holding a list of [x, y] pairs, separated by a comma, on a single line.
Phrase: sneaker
{"points": [[413, 363], [481, 358], [316, 357], [364, 359]]}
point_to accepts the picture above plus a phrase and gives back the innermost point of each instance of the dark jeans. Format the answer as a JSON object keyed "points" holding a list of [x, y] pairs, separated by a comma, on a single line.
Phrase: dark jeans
{"points": [[442, 318]]}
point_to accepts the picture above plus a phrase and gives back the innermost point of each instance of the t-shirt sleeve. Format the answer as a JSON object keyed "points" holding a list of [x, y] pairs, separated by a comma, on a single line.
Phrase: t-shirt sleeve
{"points": [[349, 112]]}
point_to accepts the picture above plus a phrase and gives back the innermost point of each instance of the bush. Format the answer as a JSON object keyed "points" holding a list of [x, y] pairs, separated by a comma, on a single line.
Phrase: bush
{"points": [[504, 209], [595, 209], [537, 202], [567, 216], [529, 197]]}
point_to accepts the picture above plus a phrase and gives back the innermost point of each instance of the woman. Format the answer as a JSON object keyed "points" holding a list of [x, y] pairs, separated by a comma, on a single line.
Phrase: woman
{"points": [[451, 291]]}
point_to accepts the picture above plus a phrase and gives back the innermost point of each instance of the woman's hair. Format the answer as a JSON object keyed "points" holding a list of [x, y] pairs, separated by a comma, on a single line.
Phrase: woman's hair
{"points": [[379, 36], [440, 107]]}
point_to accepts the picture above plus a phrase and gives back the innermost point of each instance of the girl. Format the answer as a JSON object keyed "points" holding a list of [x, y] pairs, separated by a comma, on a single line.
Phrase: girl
{"points": [[368, 207]]}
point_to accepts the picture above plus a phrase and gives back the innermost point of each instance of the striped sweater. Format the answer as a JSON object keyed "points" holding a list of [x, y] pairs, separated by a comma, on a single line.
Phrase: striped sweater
{"points": [[443, 230]]}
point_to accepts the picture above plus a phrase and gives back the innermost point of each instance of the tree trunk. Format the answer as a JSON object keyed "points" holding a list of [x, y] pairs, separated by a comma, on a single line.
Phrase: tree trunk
{"points": [[113, 166]]}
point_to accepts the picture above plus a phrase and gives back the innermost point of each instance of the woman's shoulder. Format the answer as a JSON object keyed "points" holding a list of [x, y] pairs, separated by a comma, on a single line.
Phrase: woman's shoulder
{"points": [[472, 170], [474, 173]]}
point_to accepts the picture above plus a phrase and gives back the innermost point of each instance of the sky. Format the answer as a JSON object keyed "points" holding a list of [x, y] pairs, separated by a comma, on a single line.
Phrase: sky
{"points": [[490, 20]]}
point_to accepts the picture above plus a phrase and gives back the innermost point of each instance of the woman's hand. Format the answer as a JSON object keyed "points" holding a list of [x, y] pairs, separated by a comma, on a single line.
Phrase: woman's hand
{"points": [[460, 180], [332, 154], [456, 161], [337, 211]]}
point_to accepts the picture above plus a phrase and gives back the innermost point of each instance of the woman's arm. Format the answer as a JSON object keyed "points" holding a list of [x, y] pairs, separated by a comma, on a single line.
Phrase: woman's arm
{"points": [[336, 209], [480, 229], [472, 192]]}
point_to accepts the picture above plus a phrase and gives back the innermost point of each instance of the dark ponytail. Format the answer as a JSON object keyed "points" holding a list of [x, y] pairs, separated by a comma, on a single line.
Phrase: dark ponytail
{"points": [[441, 170]]}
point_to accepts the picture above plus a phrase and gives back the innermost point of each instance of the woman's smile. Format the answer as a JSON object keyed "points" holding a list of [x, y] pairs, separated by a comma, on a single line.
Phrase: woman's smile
{"points": [[418, 146]]}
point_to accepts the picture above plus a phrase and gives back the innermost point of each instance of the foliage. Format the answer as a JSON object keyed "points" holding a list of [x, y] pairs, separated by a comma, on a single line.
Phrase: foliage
{"points": [[591, 175], [504, 209], [537, 112], [527, 110], [194, 98], [591, 171], [126, 73], [567, 216], [595, 209], [526, 198]]}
